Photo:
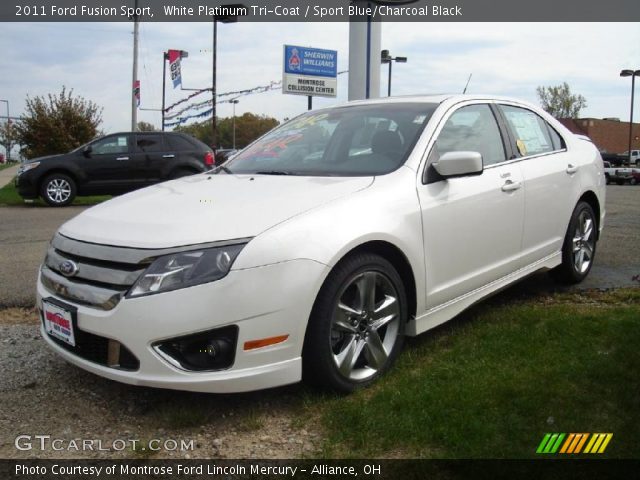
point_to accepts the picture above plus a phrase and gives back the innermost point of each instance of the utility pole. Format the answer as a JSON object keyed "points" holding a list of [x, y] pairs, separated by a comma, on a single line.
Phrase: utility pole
{"points": [[134, 103], [213, 85]]}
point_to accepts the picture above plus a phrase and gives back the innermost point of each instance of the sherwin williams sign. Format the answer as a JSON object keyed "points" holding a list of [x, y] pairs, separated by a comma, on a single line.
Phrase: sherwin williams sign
{"points": [[310, 71]]}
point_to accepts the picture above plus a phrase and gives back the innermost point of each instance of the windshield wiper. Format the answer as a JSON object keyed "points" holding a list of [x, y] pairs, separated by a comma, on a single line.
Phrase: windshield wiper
{"points": [[223, 168], [275, 172]]}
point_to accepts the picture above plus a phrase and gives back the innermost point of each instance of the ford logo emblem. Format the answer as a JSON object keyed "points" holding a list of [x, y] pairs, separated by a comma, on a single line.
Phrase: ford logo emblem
{"points": [[68, 268]]}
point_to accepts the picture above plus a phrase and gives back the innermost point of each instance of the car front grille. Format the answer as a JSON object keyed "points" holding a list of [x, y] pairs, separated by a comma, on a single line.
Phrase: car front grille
{"points": [[103, 274]]}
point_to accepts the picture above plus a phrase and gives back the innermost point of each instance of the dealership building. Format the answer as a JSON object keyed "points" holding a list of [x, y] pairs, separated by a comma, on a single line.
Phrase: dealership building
{"points": [[610, 135]]}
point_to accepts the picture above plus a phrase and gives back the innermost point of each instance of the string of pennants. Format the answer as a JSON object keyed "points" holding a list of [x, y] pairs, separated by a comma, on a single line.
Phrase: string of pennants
{"points": [[180, 118]]}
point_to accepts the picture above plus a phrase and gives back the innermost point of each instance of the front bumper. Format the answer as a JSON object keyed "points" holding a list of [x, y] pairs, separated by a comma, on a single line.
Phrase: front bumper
{"points": [[27, 184], [263, 302]]}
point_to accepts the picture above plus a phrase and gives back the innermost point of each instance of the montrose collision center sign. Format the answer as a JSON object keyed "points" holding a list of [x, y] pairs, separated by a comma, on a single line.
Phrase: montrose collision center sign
{"points": [[310, 71]]}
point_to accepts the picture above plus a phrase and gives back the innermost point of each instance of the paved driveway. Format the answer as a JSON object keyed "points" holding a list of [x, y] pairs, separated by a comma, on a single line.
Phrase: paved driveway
{"points": [[25, 233]]}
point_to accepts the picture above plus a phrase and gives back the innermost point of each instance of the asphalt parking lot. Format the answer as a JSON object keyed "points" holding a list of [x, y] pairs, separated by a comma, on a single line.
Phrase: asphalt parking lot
{"points": [[25, 232]]}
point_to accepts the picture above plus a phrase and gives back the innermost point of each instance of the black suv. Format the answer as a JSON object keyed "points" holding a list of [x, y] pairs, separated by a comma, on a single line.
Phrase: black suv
{"points": [[113, 164]]}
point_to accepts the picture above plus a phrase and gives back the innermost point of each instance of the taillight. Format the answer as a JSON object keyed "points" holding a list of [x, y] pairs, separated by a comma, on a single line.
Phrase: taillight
{"points": [[209, 159]]}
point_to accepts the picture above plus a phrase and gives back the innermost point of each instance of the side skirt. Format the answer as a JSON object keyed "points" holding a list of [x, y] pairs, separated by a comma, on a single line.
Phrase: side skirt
{"points": [[446, 311]]}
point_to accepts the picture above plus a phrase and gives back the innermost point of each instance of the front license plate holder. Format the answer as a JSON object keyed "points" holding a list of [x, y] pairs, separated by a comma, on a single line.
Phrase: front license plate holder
{"points": [[60, 320]]}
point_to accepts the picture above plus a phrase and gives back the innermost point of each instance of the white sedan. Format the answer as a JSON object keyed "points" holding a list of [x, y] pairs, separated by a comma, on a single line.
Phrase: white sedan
{"points": [[320, 246]]}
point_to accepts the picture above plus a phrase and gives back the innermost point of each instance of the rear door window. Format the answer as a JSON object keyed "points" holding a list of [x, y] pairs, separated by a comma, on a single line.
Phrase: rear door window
{"points": [[533, 135], [149, 143]]}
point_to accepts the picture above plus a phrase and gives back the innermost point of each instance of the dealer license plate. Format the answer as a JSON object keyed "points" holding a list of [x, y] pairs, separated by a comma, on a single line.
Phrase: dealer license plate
{"points": [[58, 322]]}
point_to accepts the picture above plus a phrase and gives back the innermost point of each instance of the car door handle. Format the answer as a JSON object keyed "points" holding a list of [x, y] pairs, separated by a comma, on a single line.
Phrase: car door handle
{"points": [[510, 186], [171, 155], [571, 169], [122, 158]]}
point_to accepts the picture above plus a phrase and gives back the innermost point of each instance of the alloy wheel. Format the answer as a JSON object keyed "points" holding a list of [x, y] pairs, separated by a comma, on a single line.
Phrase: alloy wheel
{"points": [[58, 190], [365, 325], [583, 242]]}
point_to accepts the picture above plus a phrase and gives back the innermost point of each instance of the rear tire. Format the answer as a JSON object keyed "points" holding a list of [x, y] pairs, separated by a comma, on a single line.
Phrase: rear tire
{"points": [[58, 190], [579, 247], [356, 328]]}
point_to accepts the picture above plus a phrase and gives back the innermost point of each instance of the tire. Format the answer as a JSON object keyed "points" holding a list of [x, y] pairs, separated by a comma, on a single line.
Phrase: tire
{"points": [[607, 178], [345, 323], [579, 247], [633, 181], [58, 190], [181, 172]]}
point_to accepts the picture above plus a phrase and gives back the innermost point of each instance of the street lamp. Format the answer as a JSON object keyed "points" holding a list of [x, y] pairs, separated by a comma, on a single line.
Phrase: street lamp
{"points": [[165, 59], [222, 19], [633, 74], [386, 57], [234, 102]]}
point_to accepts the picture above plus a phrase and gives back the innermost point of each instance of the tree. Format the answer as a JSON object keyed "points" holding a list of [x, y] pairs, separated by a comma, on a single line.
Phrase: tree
{"points": [[249, 126], [146, 127], [560, 102], [57, 124], [8, 137]]}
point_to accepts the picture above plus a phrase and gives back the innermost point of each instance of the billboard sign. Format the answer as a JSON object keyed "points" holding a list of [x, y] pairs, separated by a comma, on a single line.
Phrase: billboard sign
{"points": [[310, 71]]}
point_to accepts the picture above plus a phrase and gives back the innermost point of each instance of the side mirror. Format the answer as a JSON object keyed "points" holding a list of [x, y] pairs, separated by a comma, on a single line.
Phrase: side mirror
{"points": [[86, 151], [456, 164]]}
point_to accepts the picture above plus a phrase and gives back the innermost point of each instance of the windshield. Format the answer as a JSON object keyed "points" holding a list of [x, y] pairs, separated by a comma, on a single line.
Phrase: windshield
{"points": [[359, 140]]}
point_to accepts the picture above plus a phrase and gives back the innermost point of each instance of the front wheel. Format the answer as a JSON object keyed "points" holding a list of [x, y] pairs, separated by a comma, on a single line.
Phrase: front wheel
{"points": [[58, 190], [356, 328], [579, 248]]}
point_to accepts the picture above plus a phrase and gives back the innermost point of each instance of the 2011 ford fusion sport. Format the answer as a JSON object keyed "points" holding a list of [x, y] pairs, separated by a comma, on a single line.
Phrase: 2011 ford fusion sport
{"points": [[318, 248]]}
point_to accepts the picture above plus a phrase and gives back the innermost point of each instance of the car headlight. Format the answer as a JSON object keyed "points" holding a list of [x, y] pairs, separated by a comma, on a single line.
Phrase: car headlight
{"points": [[185, 269], [25, 167]]}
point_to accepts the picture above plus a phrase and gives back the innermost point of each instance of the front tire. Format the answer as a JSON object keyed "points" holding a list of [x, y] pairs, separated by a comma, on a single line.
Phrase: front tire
{"points": [[356, 328], [58, 190], [579, 247]]}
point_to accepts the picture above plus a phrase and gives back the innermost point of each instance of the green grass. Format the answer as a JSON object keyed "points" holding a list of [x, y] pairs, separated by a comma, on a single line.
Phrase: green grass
{"points": [[9, 197], [4, 166], [495, 381]]}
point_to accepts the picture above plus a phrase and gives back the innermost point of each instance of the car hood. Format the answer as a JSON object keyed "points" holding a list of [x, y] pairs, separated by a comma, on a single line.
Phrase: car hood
{"points": [[204, 208], [45, 158]]}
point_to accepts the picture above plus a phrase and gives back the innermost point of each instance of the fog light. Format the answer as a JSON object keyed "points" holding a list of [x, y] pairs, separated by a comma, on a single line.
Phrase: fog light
{"points": [[204, 351]]}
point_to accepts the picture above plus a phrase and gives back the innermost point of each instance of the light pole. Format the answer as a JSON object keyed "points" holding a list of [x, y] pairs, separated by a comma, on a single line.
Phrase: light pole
{"points": [[633, 74], [216, 19], [386, 57], [8, 127], [234, 102], [165, 59]]}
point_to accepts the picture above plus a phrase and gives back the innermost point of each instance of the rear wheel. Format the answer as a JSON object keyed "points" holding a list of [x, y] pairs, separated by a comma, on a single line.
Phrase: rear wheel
{"points": [[356, 328], [58, 190], [579, 248]]}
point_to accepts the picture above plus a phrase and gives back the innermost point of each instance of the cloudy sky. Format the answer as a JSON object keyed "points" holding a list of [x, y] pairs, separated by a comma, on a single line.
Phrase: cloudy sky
{"points": [[505, 58]]}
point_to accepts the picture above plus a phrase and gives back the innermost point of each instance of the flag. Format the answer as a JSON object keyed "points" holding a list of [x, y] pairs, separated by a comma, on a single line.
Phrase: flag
{"points": [[136, 91], [174, 67]]}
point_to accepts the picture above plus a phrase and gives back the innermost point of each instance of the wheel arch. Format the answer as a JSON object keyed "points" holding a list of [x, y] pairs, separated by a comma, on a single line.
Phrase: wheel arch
{"points": [[61, 170], [398, 259]]}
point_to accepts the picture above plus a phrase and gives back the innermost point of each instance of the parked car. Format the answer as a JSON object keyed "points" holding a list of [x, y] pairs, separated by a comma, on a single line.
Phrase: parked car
{"points": [[313, 252], [619, 175], [113, 164], [614, 159], [635, 176], [634, 159]]}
